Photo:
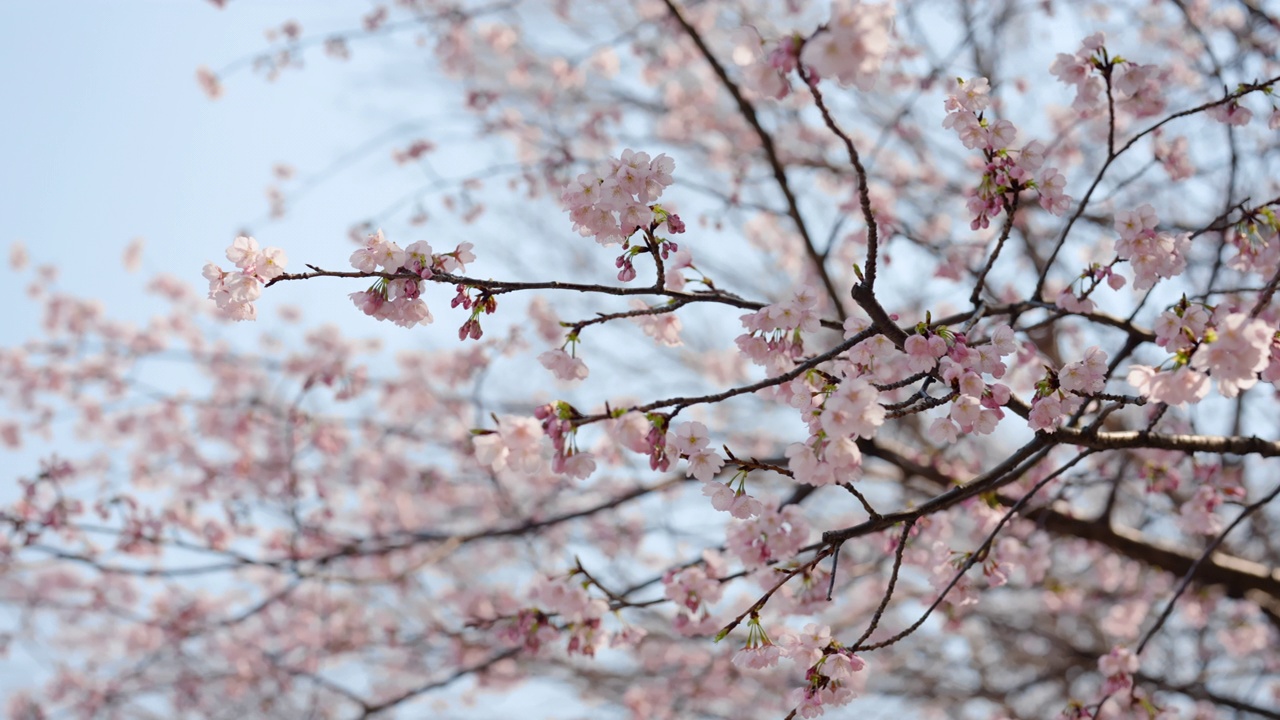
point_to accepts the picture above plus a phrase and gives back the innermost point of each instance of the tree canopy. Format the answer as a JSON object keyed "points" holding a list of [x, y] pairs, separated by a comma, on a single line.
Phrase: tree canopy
{"points": [[787, 359]]}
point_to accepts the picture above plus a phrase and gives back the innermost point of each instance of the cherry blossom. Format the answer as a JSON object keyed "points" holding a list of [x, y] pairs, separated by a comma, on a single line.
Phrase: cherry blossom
{"points": [[563, 365], [1240, 350]]}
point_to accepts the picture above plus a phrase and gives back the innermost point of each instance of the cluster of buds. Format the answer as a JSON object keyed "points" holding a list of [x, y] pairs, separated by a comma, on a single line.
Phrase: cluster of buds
{"points": [[656, 444], [482, 303], [829, 682], [557, 423], [530, 629]]}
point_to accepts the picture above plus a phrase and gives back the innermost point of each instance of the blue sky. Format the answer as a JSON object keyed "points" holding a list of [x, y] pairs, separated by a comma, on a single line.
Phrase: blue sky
{"points": [[108, 137]]}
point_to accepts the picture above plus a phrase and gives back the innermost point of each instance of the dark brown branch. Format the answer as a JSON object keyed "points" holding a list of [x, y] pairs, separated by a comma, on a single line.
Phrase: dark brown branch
{"points": [[981, 552], [1006, 472], [771, 154], [679, 403], [864, 193], [500, 287], [1010, 212], [1244, 89], [373, 709], [888, 592], [1236, 576], [1218, 444], [1191, 571]]}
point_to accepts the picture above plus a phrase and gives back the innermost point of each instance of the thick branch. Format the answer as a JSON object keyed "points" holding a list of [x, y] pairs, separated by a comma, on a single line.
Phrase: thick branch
{"points": [[864, 193], [1218, 444], [1238, 577]]}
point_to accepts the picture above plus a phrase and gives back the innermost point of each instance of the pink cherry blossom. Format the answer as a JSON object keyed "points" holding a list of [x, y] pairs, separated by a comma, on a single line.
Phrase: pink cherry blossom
{"points": [[1179, 387], [853, 45], [704, 464], [1240, 351], [1087, 376], [564, 366]]}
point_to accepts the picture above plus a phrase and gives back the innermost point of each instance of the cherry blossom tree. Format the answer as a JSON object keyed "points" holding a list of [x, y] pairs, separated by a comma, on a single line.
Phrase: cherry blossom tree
{"points": [[837, 358]]}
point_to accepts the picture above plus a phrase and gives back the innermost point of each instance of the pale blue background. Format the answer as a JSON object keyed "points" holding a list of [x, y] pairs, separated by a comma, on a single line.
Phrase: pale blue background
{"points": [[107, 137]]}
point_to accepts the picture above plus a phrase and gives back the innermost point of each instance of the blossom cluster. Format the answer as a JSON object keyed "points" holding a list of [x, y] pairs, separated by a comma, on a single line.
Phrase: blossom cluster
{"points": [[391, 494], [1198, 515], [529, 629], [1118, 667], [962, 362], [690, 440], [759, 652], [1154, 255], [1179, 386], [564, 365], [566, 602], [399, 299], [235, 291], [1256, 239], [771, 536], [693, 589], [1231, 113], [766, 72], [853, 45], [1174, 156], [1179, 328], [1241, 347], [663, 327], [516, 444], [650, 435], [1007, 172], [1232, 347], [830, 682], [829, 667], [735, 501], [1087, 376], [1061, 393], [849, 411], [773, 338], [1135, 88], [613, 201]]}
